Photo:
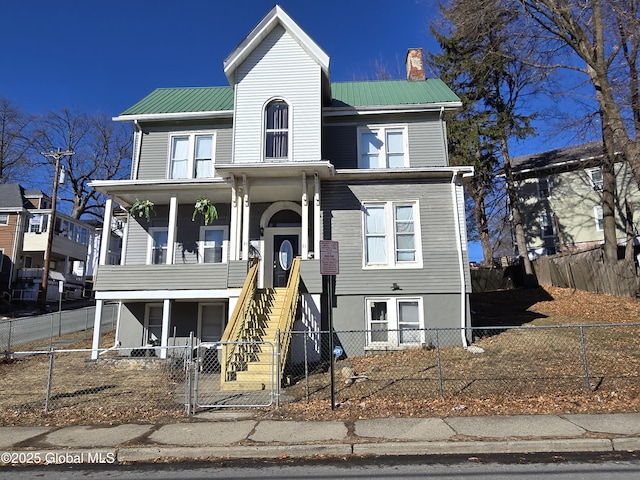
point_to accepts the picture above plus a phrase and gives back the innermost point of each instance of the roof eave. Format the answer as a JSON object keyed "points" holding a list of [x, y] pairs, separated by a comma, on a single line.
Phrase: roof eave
{"points": [[276, 16], [376, 109], [170, 116]]}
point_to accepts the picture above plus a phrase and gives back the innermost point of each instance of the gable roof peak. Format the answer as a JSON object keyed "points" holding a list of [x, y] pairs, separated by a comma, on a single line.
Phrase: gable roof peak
{"points": [[276, 16]]}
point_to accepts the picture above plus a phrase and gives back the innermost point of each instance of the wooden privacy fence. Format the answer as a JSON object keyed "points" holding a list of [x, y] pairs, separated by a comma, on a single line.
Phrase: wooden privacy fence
{"points": [[586, 271]]}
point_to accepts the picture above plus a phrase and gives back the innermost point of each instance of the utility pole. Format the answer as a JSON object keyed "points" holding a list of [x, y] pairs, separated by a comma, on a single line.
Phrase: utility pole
{"points": [[57, 155]]}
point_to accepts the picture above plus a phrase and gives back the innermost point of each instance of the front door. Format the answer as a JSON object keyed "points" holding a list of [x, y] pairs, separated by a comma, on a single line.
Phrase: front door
{"points": [[285, 249]]}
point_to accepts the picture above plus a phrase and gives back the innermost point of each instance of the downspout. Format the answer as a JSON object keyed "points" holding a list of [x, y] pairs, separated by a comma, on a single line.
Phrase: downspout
{"points": [[463, 287], [137, 149], [443, 129]]}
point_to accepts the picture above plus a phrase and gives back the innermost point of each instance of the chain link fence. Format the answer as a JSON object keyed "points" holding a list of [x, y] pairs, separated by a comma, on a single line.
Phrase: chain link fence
{"points": [[64, 327], [146, 384]]}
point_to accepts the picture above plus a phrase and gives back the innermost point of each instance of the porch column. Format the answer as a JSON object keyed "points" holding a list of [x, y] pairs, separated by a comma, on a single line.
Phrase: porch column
{"points": [[317, 228], [106, 231], [245, 218], [304, 234], [166, 317], [171, 232], [97, 321], [239, 207], [233, 224]]}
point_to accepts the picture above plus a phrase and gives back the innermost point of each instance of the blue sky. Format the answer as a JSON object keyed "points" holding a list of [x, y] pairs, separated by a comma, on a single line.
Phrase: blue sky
{"points": [[102, 57]]}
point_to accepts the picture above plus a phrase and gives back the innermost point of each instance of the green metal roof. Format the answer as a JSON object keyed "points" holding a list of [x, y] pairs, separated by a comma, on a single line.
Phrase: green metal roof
{"points": [[345, 95]]}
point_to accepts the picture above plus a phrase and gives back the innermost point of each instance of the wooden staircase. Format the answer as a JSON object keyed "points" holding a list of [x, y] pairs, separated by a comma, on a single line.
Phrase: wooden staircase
{"points": [[250, 341]]}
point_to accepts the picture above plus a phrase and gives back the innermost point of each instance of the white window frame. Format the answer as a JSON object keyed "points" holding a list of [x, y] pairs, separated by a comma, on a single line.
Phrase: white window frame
{"points": [[381, 133], [596, 185], [41, 225], [4, 219], [541, 190], [390, 235], [225, 317], [599, 218], [150, 246], [394, 332], [148, 325], [191, 152], [225, 242], [547, 220], [288, 130], [1, 258]]}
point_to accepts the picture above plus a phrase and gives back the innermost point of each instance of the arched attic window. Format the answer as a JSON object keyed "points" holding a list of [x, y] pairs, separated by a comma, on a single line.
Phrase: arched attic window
{"points": [[276, 130]]}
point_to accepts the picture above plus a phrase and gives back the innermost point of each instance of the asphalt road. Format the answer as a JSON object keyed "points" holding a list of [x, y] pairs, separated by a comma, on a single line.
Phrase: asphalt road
{"points": [[522, 467]]}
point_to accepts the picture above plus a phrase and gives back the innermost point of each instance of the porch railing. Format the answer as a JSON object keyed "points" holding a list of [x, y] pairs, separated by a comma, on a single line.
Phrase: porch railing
{"points": [[240, 316], [288, 313]]}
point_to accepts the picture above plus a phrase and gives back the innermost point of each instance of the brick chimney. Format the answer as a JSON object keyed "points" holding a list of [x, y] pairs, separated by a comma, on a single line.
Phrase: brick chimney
{"points": [[415, 68]]}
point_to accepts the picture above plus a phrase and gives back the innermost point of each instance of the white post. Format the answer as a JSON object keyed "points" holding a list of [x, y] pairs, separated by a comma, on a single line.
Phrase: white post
{"points": [[166, 317], [233, 226], [317, 227], [106, 232], [245, 218], [171, 232], [304, 234], [97, 321]]}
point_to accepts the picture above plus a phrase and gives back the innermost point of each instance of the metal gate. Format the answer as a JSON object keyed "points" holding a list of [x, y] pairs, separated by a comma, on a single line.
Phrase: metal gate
{"points": [[251, 375]]}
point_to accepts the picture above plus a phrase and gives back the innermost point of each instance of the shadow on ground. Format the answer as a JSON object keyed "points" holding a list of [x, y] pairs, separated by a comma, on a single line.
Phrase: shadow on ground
{"points": [[506, 308]]}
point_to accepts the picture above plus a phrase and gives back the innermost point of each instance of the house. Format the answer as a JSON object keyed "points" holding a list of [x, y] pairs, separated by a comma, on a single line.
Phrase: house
{"points": [[24, 223], [290, 159], [560, 191]]}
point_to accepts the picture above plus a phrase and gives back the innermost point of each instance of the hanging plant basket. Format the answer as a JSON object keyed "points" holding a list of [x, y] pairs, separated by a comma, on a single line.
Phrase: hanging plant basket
{"points": [[205, 208], [142, 208]]}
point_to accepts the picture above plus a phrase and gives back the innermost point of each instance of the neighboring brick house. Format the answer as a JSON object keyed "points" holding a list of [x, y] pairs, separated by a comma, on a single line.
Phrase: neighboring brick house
{"points": [[24, 220], [561, 194], [290, 159]]}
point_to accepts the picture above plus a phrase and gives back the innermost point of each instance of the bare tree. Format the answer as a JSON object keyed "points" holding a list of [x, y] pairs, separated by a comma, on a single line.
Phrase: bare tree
{"points": [[16, 141], [602, 38], [101, 149]]}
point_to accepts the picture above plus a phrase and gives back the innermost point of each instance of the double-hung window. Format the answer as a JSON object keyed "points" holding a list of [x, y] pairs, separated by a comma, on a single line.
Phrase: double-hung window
{"points": [[595, 178], [38, 223], [544, 187], [547, 227], [276, 130], [382, 147], [599, 218], [213, 244], [158, 242], [395, 322], [391, 235], [4, 219], [192, 155]]}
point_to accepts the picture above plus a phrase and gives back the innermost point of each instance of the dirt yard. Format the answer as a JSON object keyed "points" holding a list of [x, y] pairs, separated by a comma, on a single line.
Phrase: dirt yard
{"points": [[516, 374]]}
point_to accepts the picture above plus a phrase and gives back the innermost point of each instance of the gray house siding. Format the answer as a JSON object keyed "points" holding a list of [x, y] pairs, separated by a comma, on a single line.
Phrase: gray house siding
{"points": [[439, 310], [427, 145], [154, 155], [203, 276], [341, 205]]}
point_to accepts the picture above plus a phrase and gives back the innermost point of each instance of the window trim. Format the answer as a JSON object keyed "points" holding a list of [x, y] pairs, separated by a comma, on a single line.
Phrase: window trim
{"points": [[147, 325], [289, 130], [225, 242], [225, 316], [547, 220], [596, 186], [390, 235], [191, 135], [6, 222], [393, 322], [598, 216], [547, 180], [150, 248], [382, 130]]}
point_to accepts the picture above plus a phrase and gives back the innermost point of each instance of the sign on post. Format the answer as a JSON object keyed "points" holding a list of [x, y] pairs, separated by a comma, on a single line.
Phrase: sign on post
{"points": [[329, 258]]}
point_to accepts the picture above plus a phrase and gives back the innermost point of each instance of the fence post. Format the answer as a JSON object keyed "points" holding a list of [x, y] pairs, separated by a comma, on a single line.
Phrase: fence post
{"points": [[277, 372], [86, 322], [585, 364], [188, 368], [440, 382], [307, 334], [49, 380], [9, 336]]}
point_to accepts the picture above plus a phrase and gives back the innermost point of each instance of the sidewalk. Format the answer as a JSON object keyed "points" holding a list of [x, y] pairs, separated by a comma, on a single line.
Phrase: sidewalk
{"points": [[234, 434]]}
